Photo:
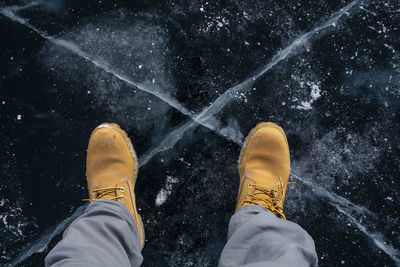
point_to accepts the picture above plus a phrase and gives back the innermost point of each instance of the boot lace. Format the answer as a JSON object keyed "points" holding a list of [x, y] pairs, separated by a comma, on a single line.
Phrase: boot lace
{"points": [[269, 198], [102, 192]]}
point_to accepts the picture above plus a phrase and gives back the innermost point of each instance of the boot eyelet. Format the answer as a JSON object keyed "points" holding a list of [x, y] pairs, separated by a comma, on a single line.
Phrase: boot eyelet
{"points": [[242, 204], [92, 193], [123, 198], [122, 189], [247, 195], [249, 186]]}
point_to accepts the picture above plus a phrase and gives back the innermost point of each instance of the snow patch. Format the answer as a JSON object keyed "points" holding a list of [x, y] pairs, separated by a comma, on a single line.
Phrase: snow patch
{"points": [[314, 94], [166, 191]]}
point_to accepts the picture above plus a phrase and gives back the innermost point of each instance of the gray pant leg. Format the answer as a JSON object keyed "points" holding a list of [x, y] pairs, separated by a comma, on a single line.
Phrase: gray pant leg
{"points": [[256, 237], [105, 235]]}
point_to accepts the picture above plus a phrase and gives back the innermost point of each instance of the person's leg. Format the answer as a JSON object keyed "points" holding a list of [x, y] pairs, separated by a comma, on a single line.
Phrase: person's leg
{"points": [[110, 232], [259, 234], [256, 237], [105, 235]]}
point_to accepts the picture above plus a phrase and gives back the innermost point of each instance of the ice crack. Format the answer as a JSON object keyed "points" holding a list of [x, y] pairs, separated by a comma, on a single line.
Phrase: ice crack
{"points": [[172, 138]]}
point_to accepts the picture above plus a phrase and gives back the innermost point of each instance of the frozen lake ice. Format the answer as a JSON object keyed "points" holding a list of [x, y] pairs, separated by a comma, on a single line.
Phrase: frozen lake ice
{"points": [[188, 80]]}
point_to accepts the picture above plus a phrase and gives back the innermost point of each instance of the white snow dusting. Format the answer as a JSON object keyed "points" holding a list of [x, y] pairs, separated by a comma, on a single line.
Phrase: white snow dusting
{"points": [[166, 191], [314, 94]]}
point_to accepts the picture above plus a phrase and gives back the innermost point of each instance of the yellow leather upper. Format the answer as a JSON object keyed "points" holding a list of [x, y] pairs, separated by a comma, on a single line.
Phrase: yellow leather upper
{"points": [[264, 161], [112, 163]]}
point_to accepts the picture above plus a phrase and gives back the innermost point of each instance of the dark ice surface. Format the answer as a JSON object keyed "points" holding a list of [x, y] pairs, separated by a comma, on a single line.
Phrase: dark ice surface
{"points": [[188, 80]]}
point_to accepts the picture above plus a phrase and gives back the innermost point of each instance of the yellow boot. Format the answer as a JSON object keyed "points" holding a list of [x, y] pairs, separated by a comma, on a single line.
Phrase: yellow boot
{"points": [[111, 169], [264, 169]]}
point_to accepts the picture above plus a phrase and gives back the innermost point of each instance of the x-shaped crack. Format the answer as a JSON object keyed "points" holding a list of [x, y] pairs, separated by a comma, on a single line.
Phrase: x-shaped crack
{"points": [[343, 205]]}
